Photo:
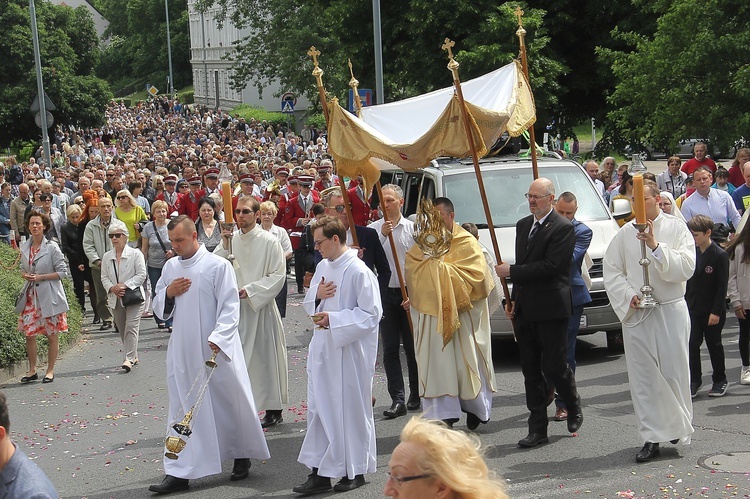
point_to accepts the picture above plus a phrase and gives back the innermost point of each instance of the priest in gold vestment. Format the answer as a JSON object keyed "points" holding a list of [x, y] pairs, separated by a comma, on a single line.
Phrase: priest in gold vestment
{"points": [[448, 284]]}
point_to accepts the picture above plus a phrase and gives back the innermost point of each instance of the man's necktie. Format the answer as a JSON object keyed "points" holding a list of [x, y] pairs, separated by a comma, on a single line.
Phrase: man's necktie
{"points": [[533, 233]]}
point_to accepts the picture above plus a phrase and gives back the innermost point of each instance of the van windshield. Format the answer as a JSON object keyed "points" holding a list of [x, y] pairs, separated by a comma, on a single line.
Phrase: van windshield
{"points": [[506, 189]]}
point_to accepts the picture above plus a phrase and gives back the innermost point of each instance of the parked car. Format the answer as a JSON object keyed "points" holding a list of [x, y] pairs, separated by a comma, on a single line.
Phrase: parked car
{"points": [[506, 180], [684, 150]]}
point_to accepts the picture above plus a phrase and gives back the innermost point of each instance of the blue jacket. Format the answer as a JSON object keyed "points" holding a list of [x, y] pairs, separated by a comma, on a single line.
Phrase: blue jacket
{"points": [[21, 477], [4, 219], [578, 289]]}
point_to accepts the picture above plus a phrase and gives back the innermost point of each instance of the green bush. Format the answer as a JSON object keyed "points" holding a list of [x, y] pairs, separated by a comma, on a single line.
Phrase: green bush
{"points": [[317, 120], [259, 114], [12, 342], [186, 97]]}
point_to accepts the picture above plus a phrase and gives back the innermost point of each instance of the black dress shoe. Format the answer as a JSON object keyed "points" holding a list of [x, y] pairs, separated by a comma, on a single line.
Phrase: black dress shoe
{"points": [[314, 485], [27, 379], [413, 404], [472, 421], [170, 484], [397, 409], [649, 451], [272, 418], [105, 325], [241, 469], [345, 484], [96, 320], [450, 422], [675, 441], [532, 440], [575, 420]]}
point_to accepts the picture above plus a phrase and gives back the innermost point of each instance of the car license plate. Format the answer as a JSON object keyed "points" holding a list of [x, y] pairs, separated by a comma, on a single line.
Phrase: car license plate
{"points": [[584, 322]]}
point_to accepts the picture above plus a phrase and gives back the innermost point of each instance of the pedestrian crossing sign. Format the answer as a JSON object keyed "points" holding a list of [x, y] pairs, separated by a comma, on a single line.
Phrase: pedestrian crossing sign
{"points": [[287, 106]]}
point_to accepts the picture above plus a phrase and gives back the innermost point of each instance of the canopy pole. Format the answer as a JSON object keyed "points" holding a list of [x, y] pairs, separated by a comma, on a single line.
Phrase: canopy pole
{"points": [[318, 74], [354, 83], [521, 33], [453, 67]]}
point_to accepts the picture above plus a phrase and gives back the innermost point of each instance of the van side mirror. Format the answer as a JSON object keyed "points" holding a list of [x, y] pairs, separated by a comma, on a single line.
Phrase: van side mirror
{"points": [[621, 208], [412, 217]]}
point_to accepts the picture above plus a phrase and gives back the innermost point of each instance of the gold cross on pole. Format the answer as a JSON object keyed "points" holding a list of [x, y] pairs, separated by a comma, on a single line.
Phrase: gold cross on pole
{"points": [[314, 53], [519, 14], [447, 46]]}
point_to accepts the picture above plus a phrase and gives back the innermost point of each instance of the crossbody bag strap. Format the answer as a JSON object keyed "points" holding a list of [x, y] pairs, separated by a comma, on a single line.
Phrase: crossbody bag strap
{"points": [[163, 248]]}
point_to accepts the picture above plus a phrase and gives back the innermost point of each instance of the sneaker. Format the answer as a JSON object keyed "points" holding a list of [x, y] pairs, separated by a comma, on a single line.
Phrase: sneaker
{"points": [[718, 389], [694, 387], [745, 375]]}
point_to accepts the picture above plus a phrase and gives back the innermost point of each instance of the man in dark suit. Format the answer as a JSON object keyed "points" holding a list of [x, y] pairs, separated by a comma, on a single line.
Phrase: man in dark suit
{"points": [[541, 306], [567, 205], [368, 242]]}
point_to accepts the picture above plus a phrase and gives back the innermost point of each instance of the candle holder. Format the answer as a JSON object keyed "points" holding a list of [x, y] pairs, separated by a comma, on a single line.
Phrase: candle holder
{"points": [[647, 300]]}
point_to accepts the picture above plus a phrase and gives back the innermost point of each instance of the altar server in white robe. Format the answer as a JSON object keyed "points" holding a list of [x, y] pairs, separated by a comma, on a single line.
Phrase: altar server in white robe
{"points": [[199, 291], [452, 334], [656, 339], [260, 268], [344, 300]]}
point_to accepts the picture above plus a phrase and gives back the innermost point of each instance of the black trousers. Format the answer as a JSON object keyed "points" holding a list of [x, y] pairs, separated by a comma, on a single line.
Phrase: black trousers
{"points": [[394, 329], [543, 350], [79, 278], [281, 299], [699, 329], [303, 262], [745, 339]]}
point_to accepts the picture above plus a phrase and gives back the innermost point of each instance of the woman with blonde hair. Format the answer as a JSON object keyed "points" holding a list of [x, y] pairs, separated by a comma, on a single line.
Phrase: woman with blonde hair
{"points": [[433, 461], [130, 213]]}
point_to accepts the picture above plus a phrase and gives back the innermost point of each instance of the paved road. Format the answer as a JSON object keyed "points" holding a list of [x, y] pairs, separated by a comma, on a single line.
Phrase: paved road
{"points": [[98, 433]]}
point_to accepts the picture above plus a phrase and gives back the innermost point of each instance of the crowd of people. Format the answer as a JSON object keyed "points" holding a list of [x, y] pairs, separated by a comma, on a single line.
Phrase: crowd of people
{"points": [[135, 214]]}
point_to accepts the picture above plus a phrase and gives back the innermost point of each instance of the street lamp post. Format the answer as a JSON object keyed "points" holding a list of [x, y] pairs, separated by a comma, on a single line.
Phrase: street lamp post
{"points": [[40, 85], [379, 97], [169, 51]]}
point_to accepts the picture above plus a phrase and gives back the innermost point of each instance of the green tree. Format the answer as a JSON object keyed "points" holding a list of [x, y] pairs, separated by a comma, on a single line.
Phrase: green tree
{"points": [[281, 32], [69, 50], [138, 50], [690, 78]]}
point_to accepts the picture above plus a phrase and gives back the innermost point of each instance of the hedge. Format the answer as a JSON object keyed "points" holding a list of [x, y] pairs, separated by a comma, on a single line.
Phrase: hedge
{"points": [[186, 96], [12, 342], [259, 114]]}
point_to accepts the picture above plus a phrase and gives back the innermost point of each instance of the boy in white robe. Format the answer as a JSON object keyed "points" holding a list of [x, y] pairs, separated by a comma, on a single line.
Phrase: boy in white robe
{"points": [[260, 268], [656, 339], [199, 290], [344, 300]]}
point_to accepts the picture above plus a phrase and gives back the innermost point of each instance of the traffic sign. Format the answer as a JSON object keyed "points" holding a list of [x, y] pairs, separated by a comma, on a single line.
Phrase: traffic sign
{"points": [[48, 105], [288, 101], [38, 119], [365, 96], [153, 90]]}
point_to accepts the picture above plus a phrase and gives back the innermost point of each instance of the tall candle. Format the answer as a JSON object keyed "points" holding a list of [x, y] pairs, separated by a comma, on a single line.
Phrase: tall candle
{"points": [[226, 194], [639, 199]]}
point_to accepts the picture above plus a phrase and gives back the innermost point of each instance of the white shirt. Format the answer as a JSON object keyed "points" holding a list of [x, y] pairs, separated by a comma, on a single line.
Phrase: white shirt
{"points": [[403, 237]]}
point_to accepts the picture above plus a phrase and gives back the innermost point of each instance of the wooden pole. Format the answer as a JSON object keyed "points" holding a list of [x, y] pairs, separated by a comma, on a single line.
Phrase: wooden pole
{"points": [[453, 66], [521, 33], [379, 189], [318, 74]]}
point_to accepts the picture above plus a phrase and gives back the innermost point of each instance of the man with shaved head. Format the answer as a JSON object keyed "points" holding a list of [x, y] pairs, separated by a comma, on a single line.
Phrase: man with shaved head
{"points": [[541, 306]]}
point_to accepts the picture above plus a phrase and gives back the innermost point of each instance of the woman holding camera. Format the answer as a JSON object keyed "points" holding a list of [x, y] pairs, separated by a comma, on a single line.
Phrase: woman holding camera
{"points": [[130, 213]]}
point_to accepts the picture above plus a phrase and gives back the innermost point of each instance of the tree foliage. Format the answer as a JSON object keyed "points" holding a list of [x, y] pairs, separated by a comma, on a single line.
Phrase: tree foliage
{"points": [[281, 32], [690, 78], [69, 51], [138, 52]]}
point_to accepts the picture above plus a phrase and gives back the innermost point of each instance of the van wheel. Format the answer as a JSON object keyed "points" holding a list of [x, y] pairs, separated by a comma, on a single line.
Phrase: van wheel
{"points": [[614, 341]]}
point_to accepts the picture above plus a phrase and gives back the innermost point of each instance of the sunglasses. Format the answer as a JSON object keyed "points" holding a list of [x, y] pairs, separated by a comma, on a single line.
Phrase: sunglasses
{"points": [[340, 208], [122, 197], [115, 236], [80, 202], [244, 211]]}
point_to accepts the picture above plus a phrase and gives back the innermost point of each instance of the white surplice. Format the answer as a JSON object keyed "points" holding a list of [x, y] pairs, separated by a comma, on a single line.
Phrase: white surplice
{"points": [[225, 426], [656, 340], [340, 439], [260, 268]]}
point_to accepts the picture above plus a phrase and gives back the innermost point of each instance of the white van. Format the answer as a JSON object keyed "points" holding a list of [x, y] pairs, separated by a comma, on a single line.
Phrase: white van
{"points": [[506, 180]]}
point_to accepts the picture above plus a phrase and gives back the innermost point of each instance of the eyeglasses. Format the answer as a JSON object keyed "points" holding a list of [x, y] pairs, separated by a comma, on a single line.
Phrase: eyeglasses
{"points": [[340, 208], [532, 197], [244, 211], [318, 243], [400, 480], [115, 236]]}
